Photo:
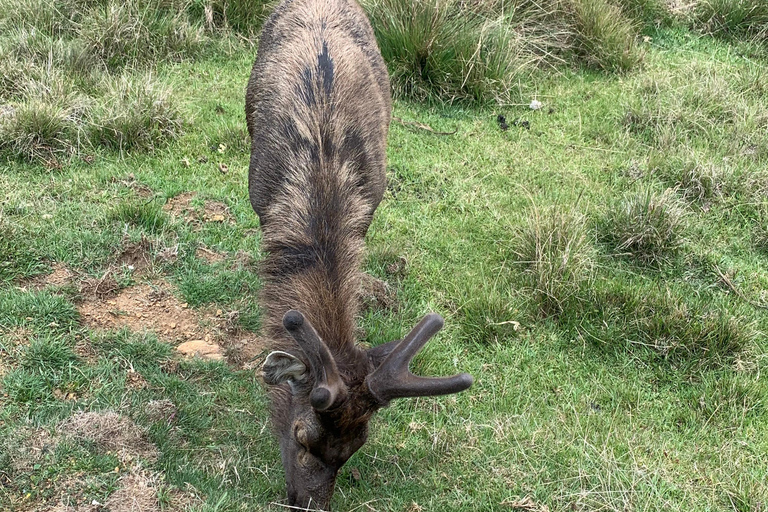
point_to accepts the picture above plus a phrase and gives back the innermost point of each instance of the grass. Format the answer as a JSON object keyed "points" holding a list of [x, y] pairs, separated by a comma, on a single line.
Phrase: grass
{"points": [[602, 275], [733, 18], [647, 226], [555, 247]]}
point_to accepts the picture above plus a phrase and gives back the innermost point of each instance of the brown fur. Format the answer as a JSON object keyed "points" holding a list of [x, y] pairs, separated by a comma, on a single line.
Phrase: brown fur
{"points": [[318, 111], [317, 168]]}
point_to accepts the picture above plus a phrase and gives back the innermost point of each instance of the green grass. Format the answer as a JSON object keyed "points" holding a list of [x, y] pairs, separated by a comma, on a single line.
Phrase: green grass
{"points": [[602, 275]]}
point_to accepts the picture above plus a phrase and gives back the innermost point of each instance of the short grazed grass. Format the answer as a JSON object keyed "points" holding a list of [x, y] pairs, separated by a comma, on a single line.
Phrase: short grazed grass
{"points": [[601, 269]]}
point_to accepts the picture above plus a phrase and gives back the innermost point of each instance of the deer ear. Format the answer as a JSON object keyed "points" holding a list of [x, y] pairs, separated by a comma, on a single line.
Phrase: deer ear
{"points": [[283, 367]]}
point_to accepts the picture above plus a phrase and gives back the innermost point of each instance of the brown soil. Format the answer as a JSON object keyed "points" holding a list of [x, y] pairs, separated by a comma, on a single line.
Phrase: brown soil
{"points": [[213, 211], [209, 255], [135, 255], [59, 276], [154, 308], [216, 211], [135, 380], [168, 254], [180, 206], [100, 287], [377, 294]]}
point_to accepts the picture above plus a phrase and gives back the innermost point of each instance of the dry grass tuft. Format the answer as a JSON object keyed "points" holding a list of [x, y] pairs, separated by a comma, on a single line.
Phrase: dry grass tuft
{"points": [[137, 493], [556, 249], [604, 38], [647, 226], [110, 432]]}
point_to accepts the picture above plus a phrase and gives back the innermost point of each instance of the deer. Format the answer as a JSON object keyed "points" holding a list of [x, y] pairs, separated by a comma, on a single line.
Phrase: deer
{"points": [[318, 109]]}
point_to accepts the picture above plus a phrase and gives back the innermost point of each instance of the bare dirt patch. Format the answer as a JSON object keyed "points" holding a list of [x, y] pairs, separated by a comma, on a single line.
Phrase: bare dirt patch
{"points": [[216, 211], [213, 211], [13, 340], [152, 307], [60, 275], [137, 256], [110, 432], [377, 294], [181, 206], [208, 255]]}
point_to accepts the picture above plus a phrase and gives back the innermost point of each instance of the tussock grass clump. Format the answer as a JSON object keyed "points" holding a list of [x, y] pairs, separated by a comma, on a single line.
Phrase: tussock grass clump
{"points": [[68, 77], [672, 108], [48, 123], [437, 46], [242, 16], [702, 182], [147, 216], [694, 180], [132, 33], [137, 113], [476, 50], [665, 325], [647, 226], [733, 18], [51, 17], [604, 38], [647, 12], [721, 107], [555, 247]]}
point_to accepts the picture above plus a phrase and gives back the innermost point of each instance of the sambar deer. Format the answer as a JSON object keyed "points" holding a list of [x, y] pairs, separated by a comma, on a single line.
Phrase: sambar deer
{"points": [[318, 111]]}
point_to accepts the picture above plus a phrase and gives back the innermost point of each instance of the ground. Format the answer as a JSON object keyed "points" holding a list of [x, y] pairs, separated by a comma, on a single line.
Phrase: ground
{"points": [[129, 315]]}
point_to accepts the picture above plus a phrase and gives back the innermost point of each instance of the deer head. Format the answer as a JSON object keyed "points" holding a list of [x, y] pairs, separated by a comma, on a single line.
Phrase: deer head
{"points": [[326, 410]]}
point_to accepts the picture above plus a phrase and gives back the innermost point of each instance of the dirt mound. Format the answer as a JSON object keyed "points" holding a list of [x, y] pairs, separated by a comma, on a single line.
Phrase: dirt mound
{"points": [[376, 294], [216, 211], [110, 432], [137, 256], [153, 308]]}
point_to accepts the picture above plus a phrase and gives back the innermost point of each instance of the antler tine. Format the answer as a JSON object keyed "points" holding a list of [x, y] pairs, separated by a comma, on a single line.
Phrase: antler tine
{"points": [[329, 387], [392, 379]]}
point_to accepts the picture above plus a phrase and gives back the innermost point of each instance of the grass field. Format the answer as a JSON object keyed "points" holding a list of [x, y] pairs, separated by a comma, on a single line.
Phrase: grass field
{"points": [[601, 265]]}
